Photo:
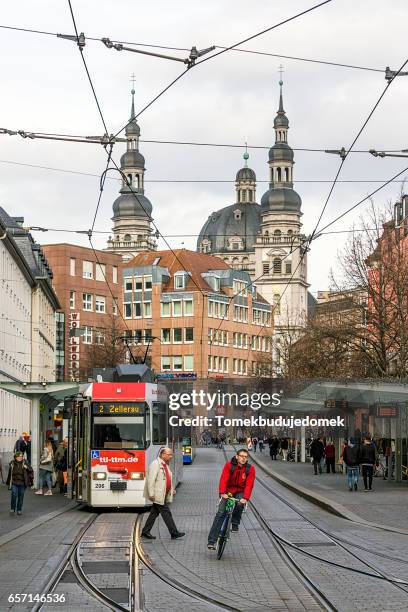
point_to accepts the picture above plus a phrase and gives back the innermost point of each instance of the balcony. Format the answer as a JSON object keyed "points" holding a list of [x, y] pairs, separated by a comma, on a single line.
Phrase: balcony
{"points": [[146, 243]]}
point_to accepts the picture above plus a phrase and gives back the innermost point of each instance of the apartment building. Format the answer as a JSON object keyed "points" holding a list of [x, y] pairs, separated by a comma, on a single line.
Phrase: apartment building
{"points": [[88, 285], [192, 316]]}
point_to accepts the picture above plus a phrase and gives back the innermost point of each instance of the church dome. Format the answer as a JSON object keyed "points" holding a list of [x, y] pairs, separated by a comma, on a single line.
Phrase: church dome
{"points": [[132, 159], [236, 220], [132, 129], [281, 121], [128, 205], [281, 199], [245, 174], [281, 152]]}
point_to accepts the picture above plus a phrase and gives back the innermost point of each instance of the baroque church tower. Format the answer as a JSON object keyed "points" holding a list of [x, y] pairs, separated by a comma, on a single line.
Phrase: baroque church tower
{"points": [[280, 269], [132, 211]]}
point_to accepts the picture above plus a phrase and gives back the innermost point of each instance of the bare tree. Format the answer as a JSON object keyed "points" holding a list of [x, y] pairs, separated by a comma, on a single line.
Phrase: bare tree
{"points": [[108, 348]]}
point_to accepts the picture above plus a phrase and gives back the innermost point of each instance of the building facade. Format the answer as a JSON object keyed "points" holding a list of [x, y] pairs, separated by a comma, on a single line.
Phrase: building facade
{"points": [[27, 325], [266, 239], [181, 318], [132, 211], [83, 281]]}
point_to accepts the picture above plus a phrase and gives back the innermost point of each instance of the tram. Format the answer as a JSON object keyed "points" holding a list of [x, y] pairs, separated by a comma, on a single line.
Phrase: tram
{"points": [[116, 429]]}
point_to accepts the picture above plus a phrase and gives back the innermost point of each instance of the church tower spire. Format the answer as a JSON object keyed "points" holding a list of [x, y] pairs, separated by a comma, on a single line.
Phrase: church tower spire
{"points": [[245, 181], [132, 210], [281, 159]]}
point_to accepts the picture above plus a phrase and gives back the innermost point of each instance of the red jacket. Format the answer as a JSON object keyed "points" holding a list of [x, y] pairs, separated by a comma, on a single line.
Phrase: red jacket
{"points": [[330, 451], [238, 482]]}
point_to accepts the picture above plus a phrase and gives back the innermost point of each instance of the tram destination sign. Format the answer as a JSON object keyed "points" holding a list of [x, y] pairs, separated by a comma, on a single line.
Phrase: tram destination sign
{"points": [[117, 408]]}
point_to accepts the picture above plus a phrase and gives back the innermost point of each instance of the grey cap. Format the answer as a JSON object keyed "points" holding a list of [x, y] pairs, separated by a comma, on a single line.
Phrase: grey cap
{"points": [[281, 199]]}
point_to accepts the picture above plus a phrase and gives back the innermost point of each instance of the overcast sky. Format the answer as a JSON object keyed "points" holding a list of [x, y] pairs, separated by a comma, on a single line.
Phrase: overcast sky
{"points": [[234, 96]]}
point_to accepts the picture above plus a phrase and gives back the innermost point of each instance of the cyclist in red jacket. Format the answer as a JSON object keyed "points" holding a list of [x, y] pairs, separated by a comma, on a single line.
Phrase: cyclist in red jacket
{"points": [[237, 478]]}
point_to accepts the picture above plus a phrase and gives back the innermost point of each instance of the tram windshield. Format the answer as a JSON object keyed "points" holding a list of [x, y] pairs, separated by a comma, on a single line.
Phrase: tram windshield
{"points": [[117, 432]]}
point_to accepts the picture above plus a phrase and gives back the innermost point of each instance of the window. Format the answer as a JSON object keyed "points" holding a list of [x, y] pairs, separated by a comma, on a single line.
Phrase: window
{"points": [[128, 284], [288, 267], [177, 363], [165, 364], [165, 335], [160, 424], [209, 363], [210, 308], [189, 334], [188, 308], [87, 337], [100, 303], [215, 363], [188, 363], [265, 268], [177, 335], [165, 309], [72, 299], [87, 269], [179, 281], [114, 274], [226, 364], [147, 282], [147, 309], [72, 266], [177, 308], [127, 237], [100, 272], [138, 283], [235, 366], [87, 301], [127, 310], [137, 310], [99, 336], [277, 266], [216, 283], [138, 336]]}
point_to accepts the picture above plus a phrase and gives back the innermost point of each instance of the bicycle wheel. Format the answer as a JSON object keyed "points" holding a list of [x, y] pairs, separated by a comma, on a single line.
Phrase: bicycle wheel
{"points": [[223, 537]]}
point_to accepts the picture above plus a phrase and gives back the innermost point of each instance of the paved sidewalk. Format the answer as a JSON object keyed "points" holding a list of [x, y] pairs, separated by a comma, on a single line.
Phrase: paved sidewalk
{"points": [[385, 505], [36, 508]]}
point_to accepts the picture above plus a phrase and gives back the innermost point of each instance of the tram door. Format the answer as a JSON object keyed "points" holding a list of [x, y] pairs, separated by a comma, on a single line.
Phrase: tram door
{"points": [[80, 468]]}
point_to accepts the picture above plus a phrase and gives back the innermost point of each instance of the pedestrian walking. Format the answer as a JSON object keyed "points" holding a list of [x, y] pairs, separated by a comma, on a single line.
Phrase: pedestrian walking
{"points": [[367, 462], [330, 454], [60, 465], [274, 447], [284, 444], [159, 490], [20, 476], [351, 458], [317, 452], [46, 469], [254, 443], [27, 439], [261, 445]]}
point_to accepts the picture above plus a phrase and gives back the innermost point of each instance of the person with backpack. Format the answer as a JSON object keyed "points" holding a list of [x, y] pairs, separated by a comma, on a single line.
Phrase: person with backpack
{"points": [[237, 479], [20, 476], [351, 458]]}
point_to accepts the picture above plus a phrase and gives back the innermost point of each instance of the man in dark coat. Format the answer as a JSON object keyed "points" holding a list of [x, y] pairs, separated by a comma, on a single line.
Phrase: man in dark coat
{"points": [[316, 452]]}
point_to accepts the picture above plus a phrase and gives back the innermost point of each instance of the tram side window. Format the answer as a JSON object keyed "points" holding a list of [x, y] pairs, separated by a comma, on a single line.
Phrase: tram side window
{"points": [[159, 424]]}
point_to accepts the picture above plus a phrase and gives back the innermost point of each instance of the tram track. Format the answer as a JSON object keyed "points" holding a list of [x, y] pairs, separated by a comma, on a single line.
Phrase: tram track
{"points": [[342, 542], [394, 581]]}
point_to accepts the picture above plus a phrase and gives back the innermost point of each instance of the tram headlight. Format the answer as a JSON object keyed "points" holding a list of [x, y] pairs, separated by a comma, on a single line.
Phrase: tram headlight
{"points": [[137, 476], [99, 475]]}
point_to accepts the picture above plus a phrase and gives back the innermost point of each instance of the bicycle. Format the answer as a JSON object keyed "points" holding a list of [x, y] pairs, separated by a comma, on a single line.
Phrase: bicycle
{"points": [[226, 525]]}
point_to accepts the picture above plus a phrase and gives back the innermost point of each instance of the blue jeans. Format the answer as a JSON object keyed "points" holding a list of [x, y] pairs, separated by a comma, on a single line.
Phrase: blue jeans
{"points": [[219, 518], [353, 474], [17, 496], [45, 479]]}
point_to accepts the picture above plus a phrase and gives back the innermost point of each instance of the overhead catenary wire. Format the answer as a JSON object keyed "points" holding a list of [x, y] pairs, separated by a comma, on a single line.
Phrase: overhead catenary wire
{"points": [[173, 48], [222, 51]]}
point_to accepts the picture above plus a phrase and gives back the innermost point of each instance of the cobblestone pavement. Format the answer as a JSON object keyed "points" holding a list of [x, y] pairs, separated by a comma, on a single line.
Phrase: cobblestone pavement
{"points": [[27, 562], [384, 505], [251, 575], [348, 590], [35, 508]]}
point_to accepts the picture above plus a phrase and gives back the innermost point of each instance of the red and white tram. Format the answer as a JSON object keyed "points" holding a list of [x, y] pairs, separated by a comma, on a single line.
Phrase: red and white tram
{"points": [[116, 430]]}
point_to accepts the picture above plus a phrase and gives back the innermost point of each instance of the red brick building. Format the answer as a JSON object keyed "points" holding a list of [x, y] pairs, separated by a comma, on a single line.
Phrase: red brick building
{"points": [[179, 312], [81, 281]]}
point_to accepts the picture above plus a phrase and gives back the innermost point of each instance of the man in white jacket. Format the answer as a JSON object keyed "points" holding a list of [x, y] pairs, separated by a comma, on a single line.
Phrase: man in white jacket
{"points": [[159, 490]]}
